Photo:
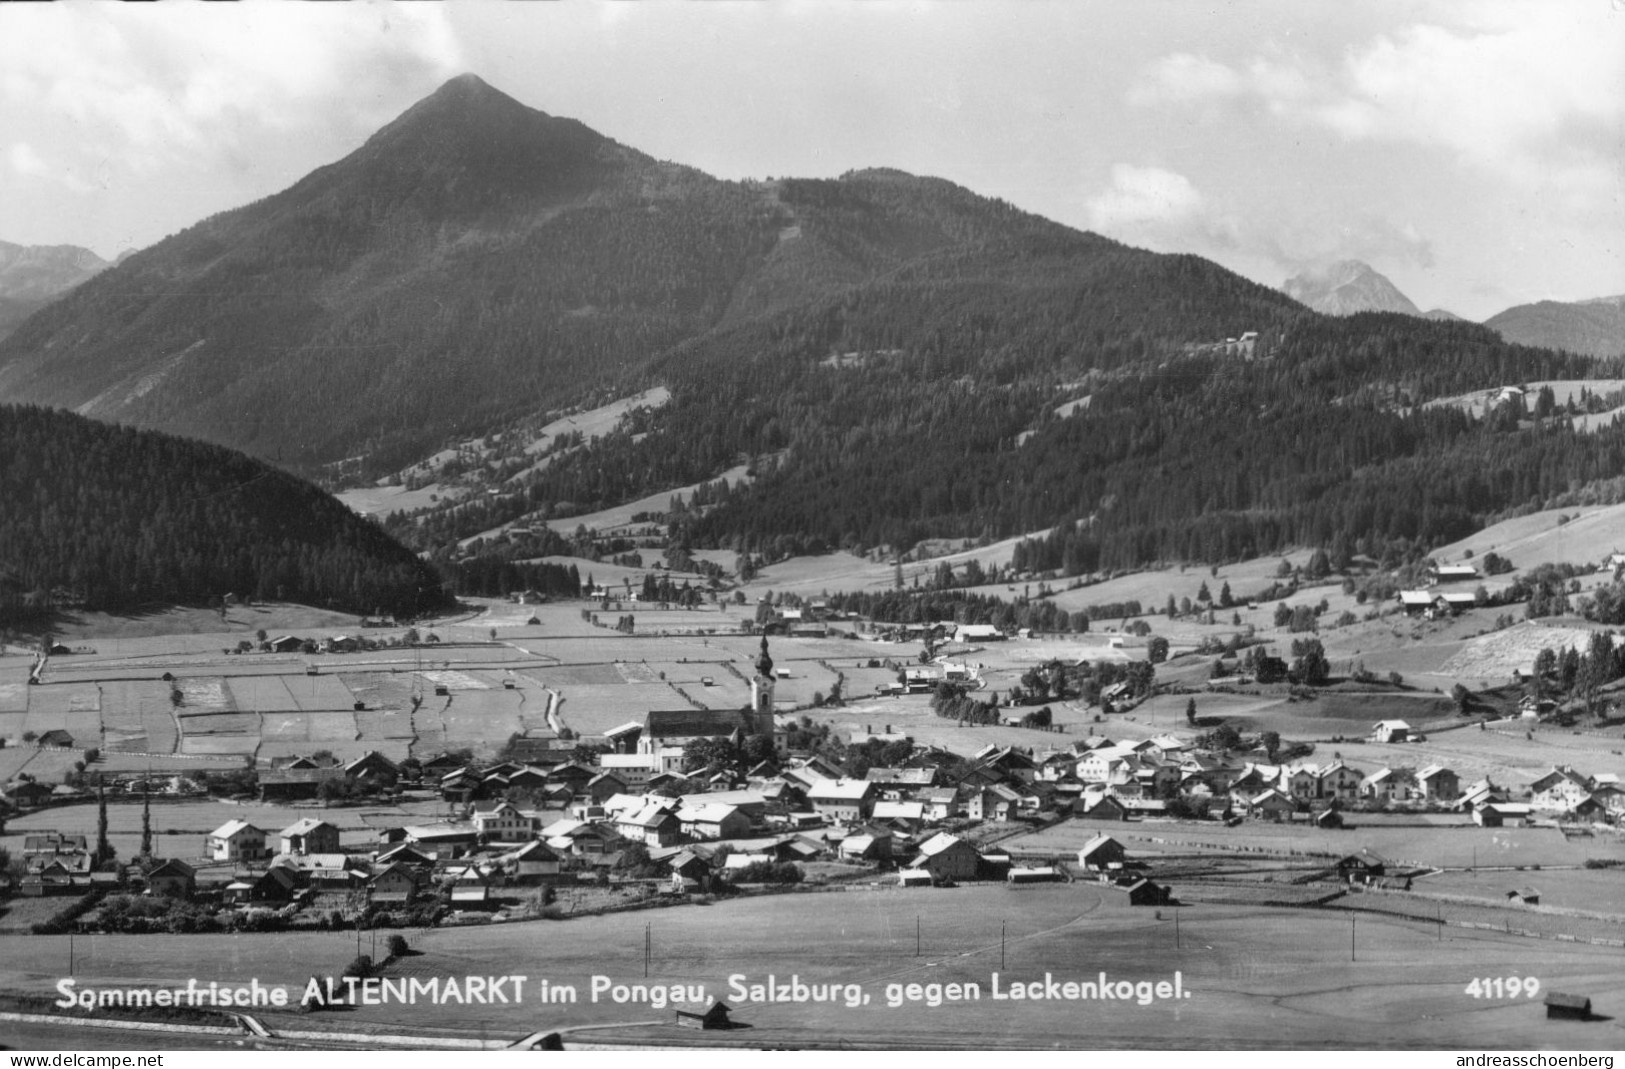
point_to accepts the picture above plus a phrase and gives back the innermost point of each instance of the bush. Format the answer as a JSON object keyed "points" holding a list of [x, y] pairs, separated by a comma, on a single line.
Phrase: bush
{"points": [[397, 946], [360, 968]]}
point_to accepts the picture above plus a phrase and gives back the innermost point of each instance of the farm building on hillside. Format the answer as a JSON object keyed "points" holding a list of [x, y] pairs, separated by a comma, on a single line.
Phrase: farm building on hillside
{"points": [[1390, 731], [1362, 867]]}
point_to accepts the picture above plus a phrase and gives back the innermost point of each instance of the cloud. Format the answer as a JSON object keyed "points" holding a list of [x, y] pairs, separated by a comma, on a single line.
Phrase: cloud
{"points": [[1535, 95], [25, 161], [1164, 211], [149, 84], [1161, 210]]}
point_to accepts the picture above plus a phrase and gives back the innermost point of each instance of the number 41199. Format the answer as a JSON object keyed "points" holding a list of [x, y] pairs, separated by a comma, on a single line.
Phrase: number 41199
{"points": [[1503, 987]]}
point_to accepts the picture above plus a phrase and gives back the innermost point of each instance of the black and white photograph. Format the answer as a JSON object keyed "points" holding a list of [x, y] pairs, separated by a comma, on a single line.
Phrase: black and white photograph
{"points": [[905, 525]]}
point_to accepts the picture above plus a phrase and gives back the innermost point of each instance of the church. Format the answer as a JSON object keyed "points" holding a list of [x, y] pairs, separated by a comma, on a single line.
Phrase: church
{"points": [[667, 731]]}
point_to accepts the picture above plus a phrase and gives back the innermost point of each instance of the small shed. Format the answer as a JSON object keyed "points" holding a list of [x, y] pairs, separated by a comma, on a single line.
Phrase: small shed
{"points": [[1570, 1007], [1526, 895], [713, 1018], [1145, 893]]}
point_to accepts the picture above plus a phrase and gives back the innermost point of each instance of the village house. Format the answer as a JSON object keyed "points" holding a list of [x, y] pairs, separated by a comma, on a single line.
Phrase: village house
{"points": [[1102, 852], [948, 857], [372, 765], [393, 885], [1362, 867], [1560, 790], [1390, 731], [1384, 785], [1439, 784], [502, 822], [653, 825], [531, 863], [310, 836], [1502, 814], [842, 800], [713, 821], [171, 879], [236, 840], [870, 844]]}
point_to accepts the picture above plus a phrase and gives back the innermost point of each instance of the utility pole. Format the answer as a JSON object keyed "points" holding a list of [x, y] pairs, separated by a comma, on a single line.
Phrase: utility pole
{"points": [[70, 951], [1351, 937], [916, 935], [647, 937], [1001, 946], [1176, 929]]}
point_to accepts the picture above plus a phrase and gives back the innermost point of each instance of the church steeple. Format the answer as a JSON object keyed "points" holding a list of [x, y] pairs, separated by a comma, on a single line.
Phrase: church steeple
{"points": [[764, 663]]}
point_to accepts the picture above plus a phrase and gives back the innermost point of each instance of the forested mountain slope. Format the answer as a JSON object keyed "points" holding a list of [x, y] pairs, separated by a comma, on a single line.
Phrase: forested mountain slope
{"points": [[115, 518]]}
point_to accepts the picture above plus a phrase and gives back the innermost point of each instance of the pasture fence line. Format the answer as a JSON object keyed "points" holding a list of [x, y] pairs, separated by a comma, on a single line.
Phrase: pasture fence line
{"points": [[1523, 907]]}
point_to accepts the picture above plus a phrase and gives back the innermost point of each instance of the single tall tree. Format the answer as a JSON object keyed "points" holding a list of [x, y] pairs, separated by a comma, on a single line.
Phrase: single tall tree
{"points": [[146, 820], [104, 849]]}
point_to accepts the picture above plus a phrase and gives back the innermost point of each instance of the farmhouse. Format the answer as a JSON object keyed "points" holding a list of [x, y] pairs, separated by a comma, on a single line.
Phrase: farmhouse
{"points": [[1102, 852], [292, 783], [653, 825], [978, 633], [310, 836], [172, 879], [394, 885], [1560, 790], [842, 800], [947, 857], [531, 862], [1362, 867], [1453, 573], [502, 823], [236, 840], [372, 765], [1526, 896], [1146, 893], [55, 737], [1500, 814], [713, 821], [1390, 731], [1439, 784]]}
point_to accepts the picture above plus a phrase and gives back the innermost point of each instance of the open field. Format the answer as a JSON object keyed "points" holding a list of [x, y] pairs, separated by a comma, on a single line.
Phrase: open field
{"points": [[621, 515], [1594, 890], [1253, 975], [1460, 846], [1588, 534]]}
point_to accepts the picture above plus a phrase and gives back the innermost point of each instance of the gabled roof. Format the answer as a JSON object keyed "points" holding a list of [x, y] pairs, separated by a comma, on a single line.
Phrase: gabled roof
{"points": [[692, 723], [829, 790], [303, 827], [1097, 843], [172, 867], [940, 842], [232, 828]]}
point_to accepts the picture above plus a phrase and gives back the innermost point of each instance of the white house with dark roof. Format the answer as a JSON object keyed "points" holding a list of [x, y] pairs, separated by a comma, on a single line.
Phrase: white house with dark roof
{"points": [[236, 840], [310, 836]]}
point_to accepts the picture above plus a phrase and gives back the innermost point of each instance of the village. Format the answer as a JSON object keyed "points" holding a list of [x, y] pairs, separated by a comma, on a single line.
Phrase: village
{"points": [[704, 801]]}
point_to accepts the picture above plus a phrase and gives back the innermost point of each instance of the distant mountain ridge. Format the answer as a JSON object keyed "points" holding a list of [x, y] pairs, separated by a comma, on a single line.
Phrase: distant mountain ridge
{"points": [[1594, 327], [32, 276], [477, 259], [1347, 287]]}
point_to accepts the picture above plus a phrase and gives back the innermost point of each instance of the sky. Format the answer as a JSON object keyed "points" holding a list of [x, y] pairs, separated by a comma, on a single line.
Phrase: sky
{"points": [[1473, 152]]}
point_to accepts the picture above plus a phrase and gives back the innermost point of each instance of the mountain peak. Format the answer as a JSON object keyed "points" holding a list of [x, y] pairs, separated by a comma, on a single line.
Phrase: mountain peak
{"points": [[1346, 287]]}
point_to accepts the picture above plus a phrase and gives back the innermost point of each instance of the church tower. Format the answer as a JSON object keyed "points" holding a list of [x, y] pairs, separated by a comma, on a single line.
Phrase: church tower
{"points": [[761, 694]]}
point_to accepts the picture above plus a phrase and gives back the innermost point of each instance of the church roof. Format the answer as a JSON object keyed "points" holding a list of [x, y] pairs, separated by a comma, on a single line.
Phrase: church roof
{"points": [[692, 723]]}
